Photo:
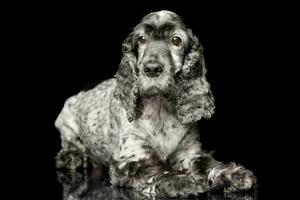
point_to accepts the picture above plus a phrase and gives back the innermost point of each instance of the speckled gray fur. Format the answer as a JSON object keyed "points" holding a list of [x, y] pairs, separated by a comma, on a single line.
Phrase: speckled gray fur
{"points": [[144, 128]]}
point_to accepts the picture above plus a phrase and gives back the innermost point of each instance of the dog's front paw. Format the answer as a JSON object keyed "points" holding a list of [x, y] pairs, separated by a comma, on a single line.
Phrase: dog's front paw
{"points": [[181, 185], [70, 160], [239, 180]]}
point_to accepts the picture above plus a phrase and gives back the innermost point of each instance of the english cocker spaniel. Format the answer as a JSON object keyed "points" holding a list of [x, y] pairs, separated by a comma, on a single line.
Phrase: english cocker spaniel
{"points": [[142, 124]]}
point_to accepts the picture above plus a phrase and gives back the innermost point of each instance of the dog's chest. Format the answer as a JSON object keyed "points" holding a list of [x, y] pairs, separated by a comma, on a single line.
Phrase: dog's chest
{"points": [[160, 128]]}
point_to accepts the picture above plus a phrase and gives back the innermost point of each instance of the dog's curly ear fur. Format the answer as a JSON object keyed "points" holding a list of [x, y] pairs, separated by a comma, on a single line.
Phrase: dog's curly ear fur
{"points": [[193, 96], [127, 89]]}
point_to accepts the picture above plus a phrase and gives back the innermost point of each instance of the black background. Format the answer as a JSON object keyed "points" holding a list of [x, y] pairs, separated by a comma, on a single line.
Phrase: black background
{"points": [[63, 48]]}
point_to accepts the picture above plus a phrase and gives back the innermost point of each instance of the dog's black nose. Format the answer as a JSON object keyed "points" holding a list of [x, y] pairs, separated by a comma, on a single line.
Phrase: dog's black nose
{"points": [[153, 69]]}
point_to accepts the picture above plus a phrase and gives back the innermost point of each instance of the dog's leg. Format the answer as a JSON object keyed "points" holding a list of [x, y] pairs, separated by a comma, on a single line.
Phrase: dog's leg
{"points": [[153, 178], [229, 177], [72, 155], [73, 152], [140, 168], [71, 159]]}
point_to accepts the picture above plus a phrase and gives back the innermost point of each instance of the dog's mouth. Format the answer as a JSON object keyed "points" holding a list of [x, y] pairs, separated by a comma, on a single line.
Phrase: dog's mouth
{"points": [[156, 91], [162, 86], [152, 91]]}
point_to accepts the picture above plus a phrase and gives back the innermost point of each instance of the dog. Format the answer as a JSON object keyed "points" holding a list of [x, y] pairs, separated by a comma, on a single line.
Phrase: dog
{"points": [[142, 124]]}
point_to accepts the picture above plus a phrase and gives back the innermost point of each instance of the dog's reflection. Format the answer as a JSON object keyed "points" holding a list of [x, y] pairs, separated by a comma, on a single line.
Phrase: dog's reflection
{"points": [[94, 185]]}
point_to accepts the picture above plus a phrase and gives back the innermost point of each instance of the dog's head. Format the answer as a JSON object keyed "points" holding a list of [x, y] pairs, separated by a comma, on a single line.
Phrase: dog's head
{"points": [[163, 57]]}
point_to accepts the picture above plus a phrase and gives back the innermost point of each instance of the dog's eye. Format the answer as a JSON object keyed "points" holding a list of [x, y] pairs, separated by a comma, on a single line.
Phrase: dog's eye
{"points": [[141, 40], [176, 41]]}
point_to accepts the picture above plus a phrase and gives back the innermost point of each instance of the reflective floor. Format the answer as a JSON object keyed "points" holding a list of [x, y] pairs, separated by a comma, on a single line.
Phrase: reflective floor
{"points": [[95, 184]]}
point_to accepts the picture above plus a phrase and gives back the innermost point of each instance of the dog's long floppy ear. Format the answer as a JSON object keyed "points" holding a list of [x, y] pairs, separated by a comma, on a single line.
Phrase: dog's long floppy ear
{"points": [[127, 89], [193, 96]]}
